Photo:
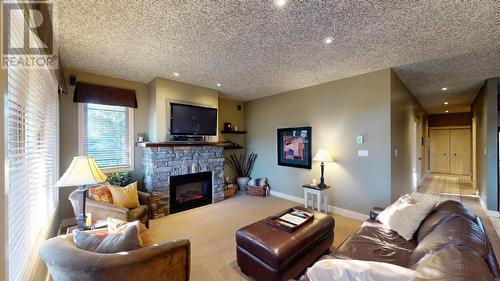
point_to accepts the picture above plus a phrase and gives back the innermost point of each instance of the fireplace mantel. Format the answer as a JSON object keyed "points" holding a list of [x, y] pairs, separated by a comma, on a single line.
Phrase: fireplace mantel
{"points": [[181, 143]]}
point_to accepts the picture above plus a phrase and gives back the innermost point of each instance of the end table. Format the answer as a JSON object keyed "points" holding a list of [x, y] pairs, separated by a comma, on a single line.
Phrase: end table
{"points": [[321, 197]]}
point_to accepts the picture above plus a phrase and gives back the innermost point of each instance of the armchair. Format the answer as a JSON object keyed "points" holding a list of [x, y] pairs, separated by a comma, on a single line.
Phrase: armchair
{"points": [[101, 210], [165, 261]]}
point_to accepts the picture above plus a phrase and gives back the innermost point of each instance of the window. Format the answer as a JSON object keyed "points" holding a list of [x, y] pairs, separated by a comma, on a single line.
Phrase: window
{"points": [[32, 161], [106, 133]]}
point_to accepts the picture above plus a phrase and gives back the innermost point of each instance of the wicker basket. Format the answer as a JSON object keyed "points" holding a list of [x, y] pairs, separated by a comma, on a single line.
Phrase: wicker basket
{"points": [[257, 190], [228, 192]]}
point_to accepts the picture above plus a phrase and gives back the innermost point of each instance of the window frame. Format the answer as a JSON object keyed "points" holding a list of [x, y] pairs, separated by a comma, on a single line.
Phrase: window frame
{"points": [[131, 143]]}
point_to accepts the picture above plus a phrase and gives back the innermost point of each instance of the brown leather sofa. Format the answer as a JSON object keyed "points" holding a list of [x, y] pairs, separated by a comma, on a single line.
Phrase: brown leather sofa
{"points": [[101, 210], [168, 261], [450, 244]]}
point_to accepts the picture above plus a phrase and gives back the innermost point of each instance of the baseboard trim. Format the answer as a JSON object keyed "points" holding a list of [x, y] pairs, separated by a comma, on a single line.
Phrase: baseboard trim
{"points": [[490, 213], [333, 209]]}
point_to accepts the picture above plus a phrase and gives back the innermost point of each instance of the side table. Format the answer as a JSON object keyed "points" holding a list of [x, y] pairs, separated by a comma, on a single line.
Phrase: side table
{"points": [[321, 197]]}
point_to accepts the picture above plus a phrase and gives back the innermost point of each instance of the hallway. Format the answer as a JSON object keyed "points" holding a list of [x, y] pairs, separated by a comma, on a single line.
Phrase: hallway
{"points": [[443, 187]]}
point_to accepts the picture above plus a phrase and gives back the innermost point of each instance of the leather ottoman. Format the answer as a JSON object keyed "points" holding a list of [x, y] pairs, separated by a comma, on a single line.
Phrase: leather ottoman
{"points": [[268, 253]]}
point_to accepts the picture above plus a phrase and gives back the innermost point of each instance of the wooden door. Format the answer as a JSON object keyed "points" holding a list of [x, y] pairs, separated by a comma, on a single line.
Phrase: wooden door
{"points": [[460, 151], [440, 151]]}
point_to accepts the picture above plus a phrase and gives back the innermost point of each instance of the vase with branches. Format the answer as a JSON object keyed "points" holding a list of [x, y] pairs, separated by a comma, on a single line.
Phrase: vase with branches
{"points": [[242, 165]]}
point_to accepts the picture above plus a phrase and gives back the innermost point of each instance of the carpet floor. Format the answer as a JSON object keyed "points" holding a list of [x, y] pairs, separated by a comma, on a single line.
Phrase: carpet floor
{"points": [[211, 230]]}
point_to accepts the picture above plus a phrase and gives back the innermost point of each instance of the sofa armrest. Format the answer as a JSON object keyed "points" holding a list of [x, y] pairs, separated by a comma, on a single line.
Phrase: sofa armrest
{"points": [[375, 212], [101, 210], [145, 199], [163, 261]]}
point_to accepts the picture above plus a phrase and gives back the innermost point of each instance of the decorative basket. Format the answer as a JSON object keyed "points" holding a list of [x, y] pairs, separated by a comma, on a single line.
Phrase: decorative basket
{"points": [[228, 192], [257, 190]]}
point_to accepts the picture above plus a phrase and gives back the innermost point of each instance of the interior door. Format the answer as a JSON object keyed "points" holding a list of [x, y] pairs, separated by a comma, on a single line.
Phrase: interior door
{"points": [[440, 151], [460, 151]]}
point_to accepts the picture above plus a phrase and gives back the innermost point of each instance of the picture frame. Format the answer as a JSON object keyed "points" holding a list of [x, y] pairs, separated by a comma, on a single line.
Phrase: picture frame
{"points": [[294, 147]]}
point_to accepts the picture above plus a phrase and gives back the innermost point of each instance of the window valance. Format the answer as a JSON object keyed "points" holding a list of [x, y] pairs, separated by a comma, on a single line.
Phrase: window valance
{"points": [[90, 93]]}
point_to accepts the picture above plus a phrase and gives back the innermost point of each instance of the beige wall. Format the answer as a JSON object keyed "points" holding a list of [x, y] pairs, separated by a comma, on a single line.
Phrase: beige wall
{"points": [[228, 112], [405, 110], [338, 111], [161, 90], [69, 125], [484, 112]]}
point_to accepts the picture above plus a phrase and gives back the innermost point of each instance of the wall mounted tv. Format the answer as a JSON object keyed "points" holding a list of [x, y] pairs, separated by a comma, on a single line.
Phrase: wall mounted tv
{"points": [[191, 120]]}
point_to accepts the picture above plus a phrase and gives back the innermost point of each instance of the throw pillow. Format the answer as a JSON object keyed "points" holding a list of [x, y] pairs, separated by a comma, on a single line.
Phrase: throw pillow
{"points": [[101, 194], [120, 242], [117, 226], [87, 241], [405, 215], [125, 197], [348, 270]]}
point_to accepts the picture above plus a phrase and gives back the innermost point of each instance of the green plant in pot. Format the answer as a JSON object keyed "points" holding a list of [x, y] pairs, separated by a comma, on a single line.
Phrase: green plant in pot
{"points": [[242, 166], [120, 178]]}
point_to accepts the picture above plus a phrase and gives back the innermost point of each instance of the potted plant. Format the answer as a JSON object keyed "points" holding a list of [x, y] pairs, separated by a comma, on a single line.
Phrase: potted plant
{"points": [[120, 178], [242, 166]]}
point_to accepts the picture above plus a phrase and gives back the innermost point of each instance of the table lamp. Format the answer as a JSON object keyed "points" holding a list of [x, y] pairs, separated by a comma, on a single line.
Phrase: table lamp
{"points": [[82, 172], [322, 156]]}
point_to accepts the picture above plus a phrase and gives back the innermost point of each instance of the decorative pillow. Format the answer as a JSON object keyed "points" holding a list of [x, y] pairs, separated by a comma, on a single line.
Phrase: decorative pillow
{"points": [[120, 242], [348, 270], [125, 197], [101, 194], [87, 241], [118, 226], [257, 182], [405, 215]]}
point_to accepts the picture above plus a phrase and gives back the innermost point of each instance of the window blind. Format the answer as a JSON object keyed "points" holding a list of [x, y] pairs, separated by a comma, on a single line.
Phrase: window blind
{"points": [[32, 159], [106, 135]]}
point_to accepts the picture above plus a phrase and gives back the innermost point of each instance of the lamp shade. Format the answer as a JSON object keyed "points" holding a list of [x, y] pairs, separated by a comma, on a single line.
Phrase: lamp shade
{"points": [[82, 171], [322, 156]]}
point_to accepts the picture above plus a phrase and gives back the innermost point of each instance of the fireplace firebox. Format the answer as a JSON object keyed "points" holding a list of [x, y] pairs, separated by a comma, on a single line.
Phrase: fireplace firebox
{"points": [[190, 191]]}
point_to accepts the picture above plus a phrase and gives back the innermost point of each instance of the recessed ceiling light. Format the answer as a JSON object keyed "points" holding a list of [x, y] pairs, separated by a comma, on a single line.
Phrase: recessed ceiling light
{"points": [[218, 85], [280, 3], [445, 103], [446, 111], [444, 89], [328, 40], [176, 74]]}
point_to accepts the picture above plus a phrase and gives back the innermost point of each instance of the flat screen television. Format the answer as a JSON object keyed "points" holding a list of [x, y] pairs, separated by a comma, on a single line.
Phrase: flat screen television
{"points": [[191, 120]]}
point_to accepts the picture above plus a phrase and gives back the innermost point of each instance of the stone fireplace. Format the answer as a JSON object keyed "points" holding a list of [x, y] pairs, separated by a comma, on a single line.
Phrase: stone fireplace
{"points": [[181, 176]]}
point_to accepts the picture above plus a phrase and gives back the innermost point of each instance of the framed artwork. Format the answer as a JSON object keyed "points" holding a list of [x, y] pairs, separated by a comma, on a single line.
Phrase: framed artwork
{"points": [[294, 147]]}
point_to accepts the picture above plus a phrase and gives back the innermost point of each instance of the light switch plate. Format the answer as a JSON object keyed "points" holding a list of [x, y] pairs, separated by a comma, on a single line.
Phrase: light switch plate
{"points": [[360, 139], [363, 153]]}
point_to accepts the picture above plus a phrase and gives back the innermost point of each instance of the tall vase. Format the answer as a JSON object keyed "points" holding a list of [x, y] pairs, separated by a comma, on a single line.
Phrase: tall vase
{"points": [[242, 182]]}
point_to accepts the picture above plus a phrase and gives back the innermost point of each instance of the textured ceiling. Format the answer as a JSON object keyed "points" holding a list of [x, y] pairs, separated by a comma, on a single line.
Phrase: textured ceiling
{"points": [[255, 49]]}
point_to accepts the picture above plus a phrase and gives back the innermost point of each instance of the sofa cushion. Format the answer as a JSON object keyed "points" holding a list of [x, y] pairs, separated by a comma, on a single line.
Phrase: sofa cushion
{"points": [[374, 242], [441, 213], [456, 231], [454, 263]]}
